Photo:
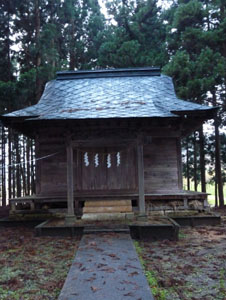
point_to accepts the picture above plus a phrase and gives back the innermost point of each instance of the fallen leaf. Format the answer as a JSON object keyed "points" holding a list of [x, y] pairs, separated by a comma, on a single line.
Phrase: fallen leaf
{"points": [[94, 289]]}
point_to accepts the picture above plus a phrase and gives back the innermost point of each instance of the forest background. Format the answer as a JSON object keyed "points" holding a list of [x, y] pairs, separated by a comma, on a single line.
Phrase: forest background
{"points": [[186, 38]]}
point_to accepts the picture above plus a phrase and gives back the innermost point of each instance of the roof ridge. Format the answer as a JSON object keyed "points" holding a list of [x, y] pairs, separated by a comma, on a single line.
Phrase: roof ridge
{"points": [[103, 73]]}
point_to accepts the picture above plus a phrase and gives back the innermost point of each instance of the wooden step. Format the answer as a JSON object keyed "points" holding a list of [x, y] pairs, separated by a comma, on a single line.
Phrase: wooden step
{"points": [[107, 210], [103, 203]]}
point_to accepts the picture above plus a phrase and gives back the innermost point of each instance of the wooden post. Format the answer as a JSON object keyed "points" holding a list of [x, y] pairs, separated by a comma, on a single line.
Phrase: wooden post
{"points": [[32, 205], [185, 203], [70, 185], [140, 161], [12, 206]]}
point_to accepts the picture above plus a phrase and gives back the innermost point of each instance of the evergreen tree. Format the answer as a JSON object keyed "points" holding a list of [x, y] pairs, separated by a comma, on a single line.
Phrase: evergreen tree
{"points": [[198, 62], [82, 26], [137, 37]]}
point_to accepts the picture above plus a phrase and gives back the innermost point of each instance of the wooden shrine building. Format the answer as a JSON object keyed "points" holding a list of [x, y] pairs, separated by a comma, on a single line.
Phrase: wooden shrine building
{"points": [[109, 134]]}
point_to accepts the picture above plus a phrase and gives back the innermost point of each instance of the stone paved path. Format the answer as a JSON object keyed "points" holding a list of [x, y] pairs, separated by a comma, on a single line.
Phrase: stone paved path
{"points": [[106, 267]]}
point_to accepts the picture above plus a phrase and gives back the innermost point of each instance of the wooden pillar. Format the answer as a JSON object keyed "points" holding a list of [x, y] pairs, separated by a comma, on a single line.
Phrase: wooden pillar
{"points": [[185, 203], [12, 206], [32, 205], [140, 161], [70, 183]]}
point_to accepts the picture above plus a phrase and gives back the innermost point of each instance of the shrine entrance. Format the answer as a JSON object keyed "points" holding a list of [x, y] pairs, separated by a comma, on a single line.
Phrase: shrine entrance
{"points": [[106, 170], [103, 168]]}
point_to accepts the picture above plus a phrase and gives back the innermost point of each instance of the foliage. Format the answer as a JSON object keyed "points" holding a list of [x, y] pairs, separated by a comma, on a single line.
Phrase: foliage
{"points": [[136, 37], [197, 65]]}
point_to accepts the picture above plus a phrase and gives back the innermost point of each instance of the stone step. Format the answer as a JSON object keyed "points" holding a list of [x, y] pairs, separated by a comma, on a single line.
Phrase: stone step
{"points": [[107, 216], [107, 209], [102, 203], [100, 230]]}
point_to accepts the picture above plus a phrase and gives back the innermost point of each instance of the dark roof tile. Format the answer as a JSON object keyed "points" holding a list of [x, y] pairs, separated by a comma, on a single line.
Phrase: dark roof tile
{"points": [[110, 97]]}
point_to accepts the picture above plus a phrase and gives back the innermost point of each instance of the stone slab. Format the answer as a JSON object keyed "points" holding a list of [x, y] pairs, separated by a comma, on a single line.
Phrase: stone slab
{"points": [[108, 209], [104, 216], [106, 267]]}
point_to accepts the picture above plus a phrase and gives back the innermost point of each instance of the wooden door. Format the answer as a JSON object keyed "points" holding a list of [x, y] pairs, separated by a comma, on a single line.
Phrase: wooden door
{"points": [[101, 170]]}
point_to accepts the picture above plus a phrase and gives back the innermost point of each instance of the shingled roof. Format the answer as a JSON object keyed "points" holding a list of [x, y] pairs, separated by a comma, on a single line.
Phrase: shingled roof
{"points": [[118, 93]]}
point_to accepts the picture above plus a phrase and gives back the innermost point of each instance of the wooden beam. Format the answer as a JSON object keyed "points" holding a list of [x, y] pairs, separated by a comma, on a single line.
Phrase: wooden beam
{"points": [[103, 142], [70, 180], [140, 162]]}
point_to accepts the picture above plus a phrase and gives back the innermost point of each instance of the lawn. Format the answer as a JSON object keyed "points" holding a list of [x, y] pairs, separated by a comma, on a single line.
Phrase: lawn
{"points": [[33, 268], [210, 189]]}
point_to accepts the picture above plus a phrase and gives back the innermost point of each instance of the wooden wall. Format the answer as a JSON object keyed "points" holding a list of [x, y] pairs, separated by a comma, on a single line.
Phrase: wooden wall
{"points": [[161, 167], [51, 173]]}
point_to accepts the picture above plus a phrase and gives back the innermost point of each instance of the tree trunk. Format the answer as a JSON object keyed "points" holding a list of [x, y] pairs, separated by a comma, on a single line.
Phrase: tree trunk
{"points": [[3, 174], [28, 148], [10, 163], [23, 167], [187, 165], [18, 161], [195, 163], [216, 194], [218, 164], [218, 157], [13, 166], [33, 166], [202, 160], [38, 54], [72, 50]]}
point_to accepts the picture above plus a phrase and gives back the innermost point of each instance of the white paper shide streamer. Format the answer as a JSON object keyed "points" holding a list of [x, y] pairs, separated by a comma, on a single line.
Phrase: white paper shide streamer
{"points": [[86, 159], [96, 160], [118, 159], [108, 161]]}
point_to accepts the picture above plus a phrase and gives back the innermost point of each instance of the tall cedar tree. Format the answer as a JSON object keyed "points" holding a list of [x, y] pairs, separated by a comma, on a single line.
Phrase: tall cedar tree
{"points": [[136, 36], [198, 63]]}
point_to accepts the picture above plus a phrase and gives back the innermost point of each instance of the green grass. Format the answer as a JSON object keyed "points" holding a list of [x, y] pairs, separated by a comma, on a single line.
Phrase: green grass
{"points": [[210, 189], [158, 292]]}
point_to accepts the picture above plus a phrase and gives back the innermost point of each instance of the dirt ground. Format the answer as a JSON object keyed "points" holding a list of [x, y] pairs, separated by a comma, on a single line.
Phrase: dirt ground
{"points": [[33, 268], [194, 268]]}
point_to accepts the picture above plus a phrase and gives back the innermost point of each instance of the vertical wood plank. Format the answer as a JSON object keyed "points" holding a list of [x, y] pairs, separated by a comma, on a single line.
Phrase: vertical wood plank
{"points": [[179, 164], [75, 177], [38, 166], [140, 161], [70, 181]]}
